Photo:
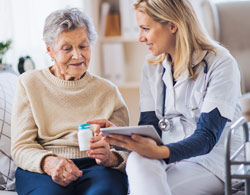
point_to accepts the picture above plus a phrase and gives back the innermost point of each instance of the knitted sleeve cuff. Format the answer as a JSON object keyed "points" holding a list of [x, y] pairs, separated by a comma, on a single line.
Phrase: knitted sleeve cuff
{"points": [[123, 156], [42, 161]]}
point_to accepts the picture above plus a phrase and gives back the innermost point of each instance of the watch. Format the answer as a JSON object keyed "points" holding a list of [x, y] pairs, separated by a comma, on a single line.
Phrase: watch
{"points": [[25, 64]]}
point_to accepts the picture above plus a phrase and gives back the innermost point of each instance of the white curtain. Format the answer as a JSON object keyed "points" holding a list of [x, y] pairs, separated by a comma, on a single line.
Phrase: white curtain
{"points": [[22, 21], [5, 20]]}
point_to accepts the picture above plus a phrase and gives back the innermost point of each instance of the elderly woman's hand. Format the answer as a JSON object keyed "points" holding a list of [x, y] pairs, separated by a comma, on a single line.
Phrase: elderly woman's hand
{"points": [[61, 170], [100, 150]]}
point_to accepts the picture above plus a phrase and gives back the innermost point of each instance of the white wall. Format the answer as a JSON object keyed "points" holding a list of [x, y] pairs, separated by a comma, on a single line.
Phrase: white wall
{"points": [[22, 21]]}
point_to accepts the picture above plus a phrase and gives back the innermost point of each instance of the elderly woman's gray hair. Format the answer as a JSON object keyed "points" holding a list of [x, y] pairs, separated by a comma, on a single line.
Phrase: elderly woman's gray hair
{"points": [[66, 20]]}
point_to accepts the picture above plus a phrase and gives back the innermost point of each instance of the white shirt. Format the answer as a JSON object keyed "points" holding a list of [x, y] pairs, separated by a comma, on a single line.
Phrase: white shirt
{"points": [[187, 99]]}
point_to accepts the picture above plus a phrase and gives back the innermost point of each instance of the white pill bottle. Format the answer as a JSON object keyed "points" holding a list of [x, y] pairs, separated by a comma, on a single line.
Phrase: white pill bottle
{"points": [[84, 135]]}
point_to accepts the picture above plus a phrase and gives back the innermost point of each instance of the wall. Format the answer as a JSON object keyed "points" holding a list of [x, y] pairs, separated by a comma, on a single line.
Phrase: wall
{"points": [[22, 21]]}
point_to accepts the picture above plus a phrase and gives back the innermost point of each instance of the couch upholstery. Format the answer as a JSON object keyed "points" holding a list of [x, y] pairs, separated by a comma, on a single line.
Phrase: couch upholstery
{"points": [[229, 24], [7, 193], [7, 168]]}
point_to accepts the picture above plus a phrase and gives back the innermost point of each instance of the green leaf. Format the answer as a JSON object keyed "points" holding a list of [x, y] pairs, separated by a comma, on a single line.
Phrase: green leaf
{"points": [[4, 47]]}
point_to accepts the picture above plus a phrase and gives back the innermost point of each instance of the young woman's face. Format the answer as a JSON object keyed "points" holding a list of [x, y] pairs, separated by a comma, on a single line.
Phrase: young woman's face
{"points": [[71, 53], [159, 38]]}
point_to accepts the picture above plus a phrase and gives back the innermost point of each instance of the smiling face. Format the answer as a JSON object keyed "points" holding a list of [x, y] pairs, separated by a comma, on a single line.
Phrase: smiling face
{"points": [[159, 38], [71, 54]]}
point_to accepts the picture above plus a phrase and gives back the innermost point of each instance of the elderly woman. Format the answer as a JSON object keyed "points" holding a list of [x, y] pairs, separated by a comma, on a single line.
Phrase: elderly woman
{"points": [[48, 106]]}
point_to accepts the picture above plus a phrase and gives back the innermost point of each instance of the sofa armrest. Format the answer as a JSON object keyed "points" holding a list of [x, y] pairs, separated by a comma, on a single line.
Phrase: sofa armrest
{"points": [[245, 103], [210, 18]]}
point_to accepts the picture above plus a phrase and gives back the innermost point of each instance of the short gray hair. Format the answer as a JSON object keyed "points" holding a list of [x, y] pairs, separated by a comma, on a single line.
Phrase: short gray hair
{"points": [[64, 20]]}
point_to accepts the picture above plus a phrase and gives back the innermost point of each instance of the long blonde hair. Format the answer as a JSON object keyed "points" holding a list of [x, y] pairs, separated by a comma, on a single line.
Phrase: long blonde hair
{"points": [[190, 36]]}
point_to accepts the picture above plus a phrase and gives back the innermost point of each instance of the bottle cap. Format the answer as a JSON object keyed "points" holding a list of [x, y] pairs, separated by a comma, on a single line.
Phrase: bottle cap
{"points": [[83, 126]]}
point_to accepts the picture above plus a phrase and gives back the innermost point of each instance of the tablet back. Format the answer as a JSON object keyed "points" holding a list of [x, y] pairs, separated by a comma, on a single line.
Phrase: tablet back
{"points": [[143, 130]]}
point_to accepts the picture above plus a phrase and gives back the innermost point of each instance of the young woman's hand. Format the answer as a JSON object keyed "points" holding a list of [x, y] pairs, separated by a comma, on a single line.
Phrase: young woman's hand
{"points": [[144, 146], [62, 171], [101, 123]]}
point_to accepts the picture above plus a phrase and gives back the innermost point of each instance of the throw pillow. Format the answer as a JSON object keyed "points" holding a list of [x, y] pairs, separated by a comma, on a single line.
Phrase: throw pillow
{"points": [[7, 168]]}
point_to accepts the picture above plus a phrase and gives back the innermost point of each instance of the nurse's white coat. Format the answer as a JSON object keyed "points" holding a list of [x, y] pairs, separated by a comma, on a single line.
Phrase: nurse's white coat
{"points": [[187, 99]]}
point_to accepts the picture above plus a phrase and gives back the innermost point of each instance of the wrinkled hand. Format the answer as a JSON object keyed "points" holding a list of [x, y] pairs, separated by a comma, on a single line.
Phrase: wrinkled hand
{"points": [[61, 170], [100, 150], [144, 146]]}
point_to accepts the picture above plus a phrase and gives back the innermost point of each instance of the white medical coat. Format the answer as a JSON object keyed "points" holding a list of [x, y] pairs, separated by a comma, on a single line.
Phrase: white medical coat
{"points": [[187, 99]]}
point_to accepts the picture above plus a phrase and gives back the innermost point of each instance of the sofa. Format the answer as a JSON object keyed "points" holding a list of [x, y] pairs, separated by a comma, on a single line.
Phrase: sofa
{"points": [[8, 80], [229, 24]]}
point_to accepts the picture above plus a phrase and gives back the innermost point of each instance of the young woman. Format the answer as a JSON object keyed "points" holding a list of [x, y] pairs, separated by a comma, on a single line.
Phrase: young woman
{"points": [[190, 92]]}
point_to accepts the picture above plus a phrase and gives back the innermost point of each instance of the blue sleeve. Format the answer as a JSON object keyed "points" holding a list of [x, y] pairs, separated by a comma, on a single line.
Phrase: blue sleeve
{"points": [[149, 118], [208, 131]]}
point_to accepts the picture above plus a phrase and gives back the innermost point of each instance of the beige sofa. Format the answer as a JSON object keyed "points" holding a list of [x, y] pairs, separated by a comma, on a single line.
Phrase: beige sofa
{"points": [[229, 24], [7, 193], [7, 168]]}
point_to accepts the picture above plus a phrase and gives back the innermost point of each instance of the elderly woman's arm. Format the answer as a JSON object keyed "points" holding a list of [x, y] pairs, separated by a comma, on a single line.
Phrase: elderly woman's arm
{"points": [[25, 150], [119, 117], [27, 153], [100, 148]]}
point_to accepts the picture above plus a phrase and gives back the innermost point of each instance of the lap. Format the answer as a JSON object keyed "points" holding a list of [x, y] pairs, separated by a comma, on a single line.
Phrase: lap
{"points": [[96, 179], [150, 176], [194, 179]]}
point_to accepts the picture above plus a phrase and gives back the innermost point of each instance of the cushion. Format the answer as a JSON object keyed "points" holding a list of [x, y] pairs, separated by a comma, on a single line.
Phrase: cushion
{"points": [[237, 13], [209, 18], [7, 168], [245, 104]]}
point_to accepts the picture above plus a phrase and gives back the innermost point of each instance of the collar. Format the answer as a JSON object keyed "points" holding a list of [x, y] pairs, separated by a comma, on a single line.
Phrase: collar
{"points": [[198, 56], [67, 84]]}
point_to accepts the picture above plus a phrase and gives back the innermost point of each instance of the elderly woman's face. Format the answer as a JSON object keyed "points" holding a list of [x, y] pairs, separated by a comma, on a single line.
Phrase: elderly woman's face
{"points": [[71, 54]]}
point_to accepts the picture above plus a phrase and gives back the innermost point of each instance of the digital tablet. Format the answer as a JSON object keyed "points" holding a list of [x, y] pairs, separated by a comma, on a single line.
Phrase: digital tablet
{"points": [[143, 130]]}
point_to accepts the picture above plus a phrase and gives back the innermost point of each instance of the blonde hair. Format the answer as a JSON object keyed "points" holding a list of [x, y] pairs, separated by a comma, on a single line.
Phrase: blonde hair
{"points": [[190, 36]]}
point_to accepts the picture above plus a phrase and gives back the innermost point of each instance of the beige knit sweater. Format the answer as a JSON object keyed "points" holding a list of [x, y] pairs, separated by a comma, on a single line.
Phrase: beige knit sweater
{"points": [[47, 110]]}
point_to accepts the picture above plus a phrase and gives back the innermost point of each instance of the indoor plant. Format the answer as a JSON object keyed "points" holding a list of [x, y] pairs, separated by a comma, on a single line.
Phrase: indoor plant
{"points": [[4, 46]]}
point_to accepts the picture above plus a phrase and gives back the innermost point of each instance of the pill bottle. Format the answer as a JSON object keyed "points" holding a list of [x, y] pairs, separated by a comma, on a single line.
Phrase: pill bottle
{"points": [[84, 135]]}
